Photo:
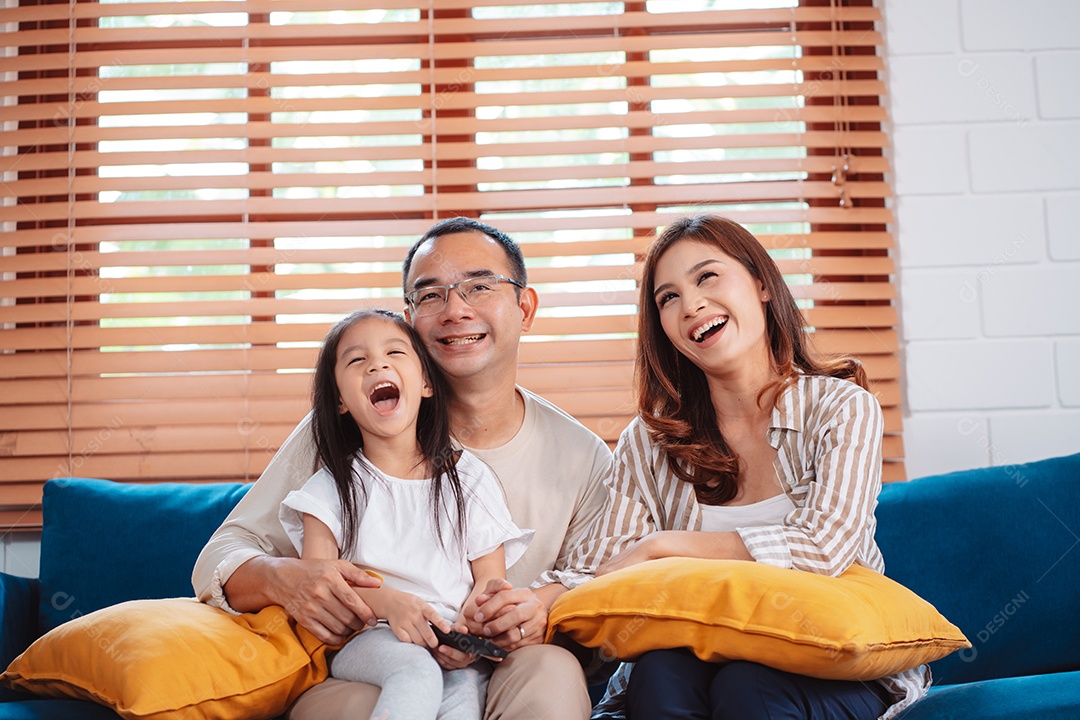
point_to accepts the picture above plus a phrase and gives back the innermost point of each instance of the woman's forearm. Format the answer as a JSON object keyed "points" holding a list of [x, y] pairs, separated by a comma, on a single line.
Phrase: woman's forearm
{"points": [[695, 544], [680, 543]]}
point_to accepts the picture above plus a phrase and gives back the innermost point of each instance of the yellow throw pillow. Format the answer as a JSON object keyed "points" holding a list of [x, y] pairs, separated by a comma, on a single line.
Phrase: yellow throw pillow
{"points": [[158, 659], [859, 626]]}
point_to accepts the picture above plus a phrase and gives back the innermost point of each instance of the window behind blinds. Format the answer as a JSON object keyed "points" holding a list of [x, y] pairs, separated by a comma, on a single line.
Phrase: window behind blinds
{"points": [[192, 193]]}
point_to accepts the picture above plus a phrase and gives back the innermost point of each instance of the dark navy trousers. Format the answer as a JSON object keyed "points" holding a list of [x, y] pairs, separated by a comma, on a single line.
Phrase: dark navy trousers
{"points": [[669, 684]]}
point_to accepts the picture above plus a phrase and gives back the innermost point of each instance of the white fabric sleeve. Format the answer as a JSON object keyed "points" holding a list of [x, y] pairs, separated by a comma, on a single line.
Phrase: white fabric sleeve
{"points": [[317, 498], [488, 521]]}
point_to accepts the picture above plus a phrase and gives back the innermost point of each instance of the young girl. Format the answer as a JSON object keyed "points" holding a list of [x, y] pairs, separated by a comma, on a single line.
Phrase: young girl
{"points": [[396, 497]]}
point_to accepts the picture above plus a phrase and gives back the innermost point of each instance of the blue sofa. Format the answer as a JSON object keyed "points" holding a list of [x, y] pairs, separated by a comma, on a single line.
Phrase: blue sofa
{"points": [[994, 549]]}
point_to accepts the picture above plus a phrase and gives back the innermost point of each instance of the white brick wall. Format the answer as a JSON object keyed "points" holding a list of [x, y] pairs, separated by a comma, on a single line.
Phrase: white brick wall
{"points": [[986, 154], [21, 554]]}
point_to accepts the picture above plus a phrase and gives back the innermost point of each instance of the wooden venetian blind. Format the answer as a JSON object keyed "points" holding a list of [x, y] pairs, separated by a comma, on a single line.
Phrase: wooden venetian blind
{"points": [[192, 192]]}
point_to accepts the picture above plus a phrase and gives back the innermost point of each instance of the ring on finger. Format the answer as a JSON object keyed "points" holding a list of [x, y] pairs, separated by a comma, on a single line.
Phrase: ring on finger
{"points": [[522, 631]]}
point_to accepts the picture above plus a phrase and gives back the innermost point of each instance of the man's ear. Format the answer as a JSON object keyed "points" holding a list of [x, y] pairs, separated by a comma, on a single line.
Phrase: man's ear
{"points": [[529, 302]]}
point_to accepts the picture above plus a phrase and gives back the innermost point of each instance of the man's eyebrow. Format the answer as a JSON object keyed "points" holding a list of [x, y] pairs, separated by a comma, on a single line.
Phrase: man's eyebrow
{"points": [[424, 282]]}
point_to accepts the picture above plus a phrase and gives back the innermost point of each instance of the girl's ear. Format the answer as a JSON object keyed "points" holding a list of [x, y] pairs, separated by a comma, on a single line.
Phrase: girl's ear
{"points": [[426, 390], [342, 410]]}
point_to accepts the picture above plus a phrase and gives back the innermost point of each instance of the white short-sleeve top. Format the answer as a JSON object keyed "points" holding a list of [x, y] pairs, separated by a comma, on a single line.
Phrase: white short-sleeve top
{"points": [[396, 529]]}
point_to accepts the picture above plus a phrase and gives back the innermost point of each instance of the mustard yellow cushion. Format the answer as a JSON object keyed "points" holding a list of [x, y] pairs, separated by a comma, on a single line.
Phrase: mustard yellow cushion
{"points": [[859, 626], [178, 658]]}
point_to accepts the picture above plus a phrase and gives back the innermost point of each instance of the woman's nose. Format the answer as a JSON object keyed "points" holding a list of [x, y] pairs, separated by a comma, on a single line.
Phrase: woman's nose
{"points": [[692, 304]]}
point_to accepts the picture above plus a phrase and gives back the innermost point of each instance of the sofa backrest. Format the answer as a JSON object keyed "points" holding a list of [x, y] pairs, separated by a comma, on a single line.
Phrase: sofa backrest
{"points": [[997, 551], [106, 542]]}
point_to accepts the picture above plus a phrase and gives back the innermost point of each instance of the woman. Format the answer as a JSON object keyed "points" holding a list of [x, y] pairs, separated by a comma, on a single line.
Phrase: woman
{"points": [[746, 447]]}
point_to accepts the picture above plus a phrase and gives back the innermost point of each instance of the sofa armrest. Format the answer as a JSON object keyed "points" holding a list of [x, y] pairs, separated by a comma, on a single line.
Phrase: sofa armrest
{"points": [[18, 621]]}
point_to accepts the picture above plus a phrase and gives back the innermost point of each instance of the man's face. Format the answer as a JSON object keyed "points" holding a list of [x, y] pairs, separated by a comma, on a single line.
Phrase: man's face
{"points": [[464, 340]]}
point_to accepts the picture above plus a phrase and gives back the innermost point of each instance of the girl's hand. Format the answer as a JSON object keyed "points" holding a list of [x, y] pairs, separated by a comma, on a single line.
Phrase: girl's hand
{"points": [[450, 658], [409, 616]]}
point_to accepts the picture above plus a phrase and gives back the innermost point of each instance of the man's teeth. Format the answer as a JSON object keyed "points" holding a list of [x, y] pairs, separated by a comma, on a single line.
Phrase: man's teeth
{"points": [[700, 332], [462, 340]]}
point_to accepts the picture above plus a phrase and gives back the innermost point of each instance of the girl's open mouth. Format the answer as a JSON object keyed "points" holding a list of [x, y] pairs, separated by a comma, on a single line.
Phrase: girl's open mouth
{"points": [[384, 396]]}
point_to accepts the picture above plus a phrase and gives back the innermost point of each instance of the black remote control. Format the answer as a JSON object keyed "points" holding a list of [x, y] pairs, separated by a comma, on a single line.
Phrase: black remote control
{"points": [[472, 644]]}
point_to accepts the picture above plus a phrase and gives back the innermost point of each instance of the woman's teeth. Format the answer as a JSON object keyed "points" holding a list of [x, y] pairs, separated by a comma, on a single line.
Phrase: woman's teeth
{"points": [[701, 332]]}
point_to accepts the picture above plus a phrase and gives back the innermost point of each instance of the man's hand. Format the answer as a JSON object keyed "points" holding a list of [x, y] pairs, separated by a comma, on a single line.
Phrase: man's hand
{"points": [[511, 617], [318, 594]]}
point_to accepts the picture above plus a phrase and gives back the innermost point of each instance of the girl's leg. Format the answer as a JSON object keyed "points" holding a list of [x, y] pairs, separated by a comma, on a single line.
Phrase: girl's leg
{"points": [[464, 692], [669, 684], [411, 680], [745, 691]]}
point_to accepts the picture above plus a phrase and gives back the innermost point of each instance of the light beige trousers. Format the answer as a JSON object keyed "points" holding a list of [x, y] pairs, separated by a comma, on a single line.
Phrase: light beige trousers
{"points": [[534, 682]]}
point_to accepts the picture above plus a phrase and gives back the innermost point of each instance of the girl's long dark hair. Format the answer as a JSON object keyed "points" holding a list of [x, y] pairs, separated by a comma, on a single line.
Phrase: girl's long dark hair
{"points": [[673, 394], [338, 440]]}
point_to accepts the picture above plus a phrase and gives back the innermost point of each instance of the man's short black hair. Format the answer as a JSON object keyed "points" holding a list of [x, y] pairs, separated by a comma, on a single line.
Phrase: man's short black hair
{"points": [[454, 225]]}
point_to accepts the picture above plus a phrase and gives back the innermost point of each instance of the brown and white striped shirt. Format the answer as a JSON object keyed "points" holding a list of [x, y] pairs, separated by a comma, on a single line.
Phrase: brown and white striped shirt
{"points": [[827, 433]]}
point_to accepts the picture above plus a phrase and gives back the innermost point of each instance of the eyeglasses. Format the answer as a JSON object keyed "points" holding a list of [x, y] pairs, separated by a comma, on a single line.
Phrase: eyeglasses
{"points": [[477, 291]]}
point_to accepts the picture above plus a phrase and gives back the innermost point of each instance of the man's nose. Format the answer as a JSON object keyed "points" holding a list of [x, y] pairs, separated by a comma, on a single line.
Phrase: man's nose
{"points": [[456, 304]]}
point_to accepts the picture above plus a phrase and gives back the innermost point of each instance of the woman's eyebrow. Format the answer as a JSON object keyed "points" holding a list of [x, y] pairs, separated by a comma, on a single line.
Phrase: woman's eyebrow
{"points": [[691, 271]]}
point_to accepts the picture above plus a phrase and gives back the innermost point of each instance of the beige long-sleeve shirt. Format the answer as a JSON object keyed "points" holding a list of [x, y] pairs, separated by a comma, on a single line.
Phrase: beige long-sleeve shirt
{"points": [[552, 472], [827, 433]]}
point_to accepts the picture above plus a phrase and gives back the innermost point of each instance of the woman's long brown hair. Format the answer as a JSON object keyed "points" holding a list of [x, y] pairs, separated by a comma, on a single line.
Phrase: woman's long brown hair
{"points": [[673, 394]]}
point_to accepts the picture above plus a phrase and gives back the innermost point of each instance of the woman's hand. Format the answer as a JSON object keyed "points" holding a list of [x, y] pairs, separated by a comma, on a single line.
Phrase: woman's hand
{"points": [[679, 543], [647, 548]]}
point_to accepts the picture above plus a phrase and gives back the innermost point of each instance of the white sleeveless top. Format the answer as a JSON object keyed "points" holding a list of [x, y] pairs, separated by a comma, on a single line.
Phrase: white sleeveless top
{"points": [[728, 518]]}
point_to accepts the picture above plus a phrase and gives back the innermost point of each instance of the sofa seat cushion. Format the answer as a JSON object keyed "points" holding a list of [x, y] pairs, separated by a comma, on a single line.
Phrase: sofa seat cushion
{"points": [[55, 710], [996, 551], [1055, 696], [106, 542]]}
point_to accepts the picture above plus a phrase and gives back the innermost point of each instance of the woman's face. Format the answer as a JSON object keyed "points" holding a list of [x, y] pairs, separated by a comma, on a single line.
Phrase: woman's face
{"points": [[711, 308]]}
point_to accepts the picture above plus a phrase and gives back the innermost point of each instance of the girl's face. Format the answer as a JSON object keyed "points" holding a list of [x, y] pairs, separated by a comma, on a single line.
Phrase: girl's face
{"points": [[379, 379], [711, 308]]}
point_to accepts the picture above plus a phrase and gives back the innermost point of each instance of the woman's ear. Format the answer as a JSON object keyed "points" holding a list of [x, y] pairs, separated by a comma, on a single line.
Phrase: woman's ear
{"points": [[764, 293]]}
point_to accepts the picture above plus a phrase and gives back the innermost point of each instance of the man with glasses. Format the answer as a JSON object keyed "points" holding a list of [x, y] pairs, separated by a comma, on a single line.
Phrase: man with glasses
{"points": [[466, 294]]}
